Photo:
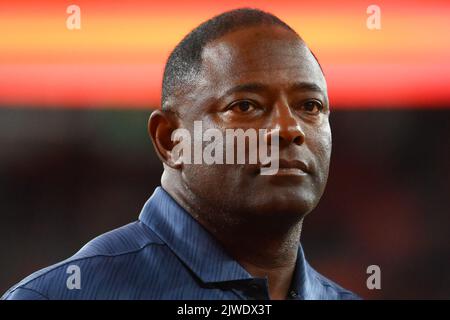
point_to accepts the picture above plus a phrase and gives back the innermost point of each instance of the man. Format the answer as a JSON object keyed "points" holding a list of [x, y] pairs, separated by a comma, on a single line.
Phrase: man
{"points": [[219, 231]]}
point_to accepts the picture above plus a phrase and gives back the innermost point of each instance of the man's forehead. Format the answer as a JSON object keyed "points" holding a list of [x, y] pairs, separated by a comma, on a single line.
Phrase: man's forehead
{"points": [[264, 54]]}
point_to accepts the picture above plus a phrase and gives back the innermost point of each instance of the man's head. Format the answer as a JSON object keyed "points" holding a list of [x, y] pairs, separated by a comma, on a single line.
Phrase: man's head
{"points": [[246, 69]]}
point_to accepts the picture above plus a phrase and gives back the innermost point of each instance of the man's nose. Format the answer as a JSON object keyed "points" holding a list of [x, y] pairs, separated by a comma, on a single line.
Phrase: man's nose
{"points": [[286, 125]]}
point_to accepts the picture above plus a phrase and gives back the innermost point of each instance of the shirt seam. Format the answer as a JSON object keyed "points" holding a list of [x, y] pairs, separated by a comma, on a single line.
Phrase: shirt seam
{"points": [[29, 289], [65, 262]]}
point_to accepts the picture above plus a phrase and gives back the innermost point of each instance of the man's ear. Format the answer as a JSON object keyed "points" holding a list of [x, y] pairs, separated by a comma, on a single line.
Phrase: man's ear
{"points": [[161, 124]]}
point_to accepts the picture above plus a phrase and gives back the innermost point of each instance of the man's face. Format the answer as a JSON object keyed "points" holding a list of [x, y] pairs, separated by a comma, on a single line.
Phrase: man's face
{"points": [[261, 78]]}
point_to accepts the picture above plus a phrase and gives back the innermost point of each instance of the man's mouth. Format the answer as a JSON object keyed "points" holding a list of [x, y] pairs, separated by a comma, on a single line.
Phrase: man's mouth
{"points": [[287, 168]]}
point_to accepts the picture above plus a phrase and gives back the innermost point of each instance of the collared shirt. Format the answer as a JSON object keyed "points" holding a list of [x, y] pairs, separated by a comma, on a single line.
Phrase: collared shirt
{"points": [[166, 254]]}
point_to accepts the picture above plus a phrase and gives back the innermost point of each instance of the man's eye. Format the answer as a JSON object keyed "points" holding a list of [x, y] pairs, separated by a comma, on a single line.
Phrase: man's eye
{"points": [[243, 106], [312, 106]]}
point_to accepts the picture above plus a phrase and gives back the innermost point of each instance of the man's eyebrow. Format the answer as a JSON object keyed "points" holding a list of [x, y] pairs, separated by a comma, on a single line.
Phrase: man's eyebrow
{"points": [[247, 87], [306, 86], [258, 87]]}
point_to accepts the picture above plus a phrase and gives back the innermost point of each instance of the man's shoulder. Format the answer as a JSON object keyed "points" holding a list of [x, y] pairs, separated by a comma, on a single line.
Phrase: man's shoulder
{"points": [[99, 259], [126, 239], [326, 289]]}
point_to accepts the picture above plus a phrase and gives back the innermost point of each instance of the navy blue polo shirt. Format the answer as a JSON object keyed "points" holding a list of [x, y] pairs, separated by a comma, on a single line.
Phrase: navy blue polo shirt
{"points": [[166, 254]]}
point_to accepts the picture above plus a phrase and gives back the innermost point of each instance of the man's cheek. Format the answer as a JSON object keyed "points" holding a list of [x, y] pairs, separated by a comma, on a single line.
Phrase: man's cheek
{"points": [[324, 143]]}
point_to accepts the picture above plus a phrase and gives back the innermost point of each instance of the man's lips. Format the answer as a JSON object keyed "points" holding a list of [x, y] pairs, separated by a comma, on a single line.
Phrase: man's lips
{"points": [[289, 167]]}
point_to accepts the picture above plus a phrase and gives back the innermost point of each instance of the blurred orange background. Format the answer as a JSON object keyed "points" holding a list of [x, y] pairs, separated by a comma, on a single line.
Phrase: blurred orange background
{"points": [[117, 57]]}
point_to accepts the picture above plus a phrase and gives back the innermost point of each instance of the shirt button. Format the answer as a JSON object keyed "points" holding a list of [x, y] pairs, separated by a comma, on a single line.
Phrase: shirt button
{"points": [[293, 294], [255, 286]]}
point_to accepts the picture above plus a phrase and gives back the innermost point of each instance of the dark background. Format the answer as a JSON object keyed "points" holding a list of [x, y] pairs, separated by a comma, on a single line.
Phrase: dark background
{"points": [[67, 176]]}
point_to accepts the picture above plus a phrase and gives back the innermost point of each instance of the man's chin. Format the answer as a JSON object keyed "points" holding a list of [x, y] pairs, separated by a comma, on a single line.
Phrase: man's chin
{"points": [[279, 204]]}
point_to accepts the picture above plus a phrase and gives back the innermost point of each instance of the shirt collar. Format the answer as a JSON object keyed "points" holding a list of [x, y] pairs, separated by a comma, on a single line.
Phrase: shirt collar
{"points": [[200, 251], [304, 283], [189, 240]]}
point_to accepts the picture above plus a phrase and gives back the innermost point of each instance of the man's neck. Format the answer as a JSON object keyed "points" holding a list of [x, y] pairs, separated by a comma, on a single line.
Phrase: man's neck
{"points": [[263, 248], [263, 254]]}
